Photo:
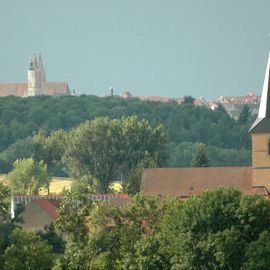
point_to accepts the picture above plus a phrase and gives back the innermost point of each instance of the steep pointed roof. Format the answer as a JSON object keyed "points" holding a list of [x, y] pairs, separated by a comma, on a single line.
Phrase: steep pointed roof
{"points": [[262, 123], [40, 64], [35, 62]]}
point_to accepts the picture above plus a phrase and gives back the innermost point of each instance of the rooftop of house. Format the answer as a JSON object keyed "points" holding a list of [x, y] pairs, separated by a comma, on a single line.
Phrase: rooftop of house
{"points": [[13, 89], [20, 89], [50, 203], [49, 206], [250, 98], [186, 182], [156, 98]]}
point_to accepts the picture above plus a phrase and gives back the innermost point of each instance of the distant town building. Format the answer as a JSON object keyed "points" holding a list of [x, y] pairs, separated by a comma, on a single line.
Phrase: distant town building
{"points": [[212, 104], [234, 104], [126, 95], [156, 98], [36, 83], [197, 101]]}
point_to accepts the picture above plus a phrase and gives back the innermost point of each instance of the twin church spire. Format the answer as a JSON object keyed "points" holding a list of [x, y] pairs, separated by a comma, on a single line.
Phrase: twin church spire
{"points": [[36, 76]]}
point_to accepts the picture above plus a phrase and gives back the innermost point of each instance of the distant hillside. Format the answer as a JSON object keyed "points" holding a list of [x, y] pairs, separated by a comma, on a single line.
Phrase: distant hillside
{"points": [[20, 118]]}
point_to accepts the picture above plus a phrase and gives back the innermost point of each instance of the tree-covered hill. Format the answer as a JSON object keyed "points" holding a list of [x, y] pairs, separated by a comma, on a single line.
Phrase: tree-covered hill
{"points": [[20, 118]]}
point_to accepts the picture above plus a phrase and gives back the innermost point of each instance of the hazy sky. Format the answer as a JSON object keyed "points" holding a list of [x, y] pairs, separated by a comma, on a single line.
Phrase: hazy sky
{"points": [[148, 47]]}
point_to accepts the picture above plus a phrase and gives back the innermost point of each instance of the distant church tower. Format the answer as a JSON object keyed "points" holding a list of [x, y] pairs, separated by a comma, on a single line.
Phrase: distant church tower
{"points": [[36, 76], [260, 132]]}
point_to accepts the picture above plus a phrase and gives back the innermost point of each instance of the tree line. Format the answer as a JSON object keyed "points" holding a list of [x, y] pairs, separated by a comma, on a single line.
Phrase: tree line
{"points": [[184, 125], [94, 154], [222, 229]]}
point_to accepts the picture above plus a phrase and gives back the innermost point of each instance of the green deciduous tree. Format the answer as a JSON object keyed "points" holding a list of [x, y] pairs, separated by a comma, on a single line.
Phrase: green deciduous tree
{"points": [[50, 149], [141, 141], [27, 251], [132, 184], [219, 230], [92, 152], [102, 236], [6, 225], [28, 177], [184, 123], [244, 115], [53, 238], [189, 100], [258, 253], [99, 150], [18, 150], [4, 203], [200, 158], [73, 218], [215, 230]]}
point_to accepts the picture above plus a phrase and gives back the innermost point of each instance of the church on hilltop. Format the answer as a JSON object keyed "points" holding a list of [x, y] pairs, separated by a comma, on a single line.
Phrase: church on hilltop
{"points": [[36, 84], [188, 182]]}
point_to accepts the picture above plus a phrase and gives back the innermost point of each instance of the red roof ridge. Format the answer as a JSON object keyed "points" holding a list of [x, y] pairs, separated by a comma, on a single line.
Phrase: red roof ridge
{"points": [[48, 206], [51, 196]]}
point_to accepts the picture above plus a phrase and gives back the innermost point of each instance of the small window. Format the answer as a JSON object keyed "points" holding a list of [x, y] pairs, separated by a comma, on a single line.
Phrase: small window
{"points": [[269, 147], [191, 188]]}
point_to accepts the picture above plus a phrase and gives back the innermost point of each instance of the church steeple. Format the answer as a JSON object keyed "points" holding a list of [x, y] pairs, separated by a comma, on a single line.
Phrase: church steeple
{"points": [[260, 134], [264, 111], [36, 76], [262, 123]]}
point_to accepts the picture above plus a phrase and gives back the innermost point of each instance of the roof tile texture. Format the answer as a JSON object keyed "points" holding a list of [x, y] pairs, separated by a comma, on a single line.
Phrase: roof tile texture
{"points": [[49, 206], [186, 182], [20, 89]]}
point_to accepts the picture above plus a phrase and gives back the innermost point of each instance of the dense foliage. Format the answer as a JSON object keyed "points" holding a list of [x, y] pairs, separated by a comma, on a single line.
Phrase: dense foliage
{"points": [[28, 177], [219, 230], [27, 251], [101, 150], [200, 158], [222, 229], [20, 250], [184, 124]]}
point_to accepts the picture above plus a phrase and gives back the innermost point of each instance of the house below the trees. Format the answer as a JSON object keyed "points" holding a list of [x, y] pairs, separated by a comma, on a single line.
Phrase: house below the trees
{"points": [[42, 210]]}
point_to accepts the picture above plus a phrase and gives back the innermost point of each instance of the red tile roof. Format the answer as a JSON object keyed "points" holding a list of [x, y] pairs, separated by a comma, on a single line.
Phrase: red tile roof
{"points": [[250, 98], [156, 98], [20, 89], [49, 206], [13, 89], [55, 88], [185, 182]]}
